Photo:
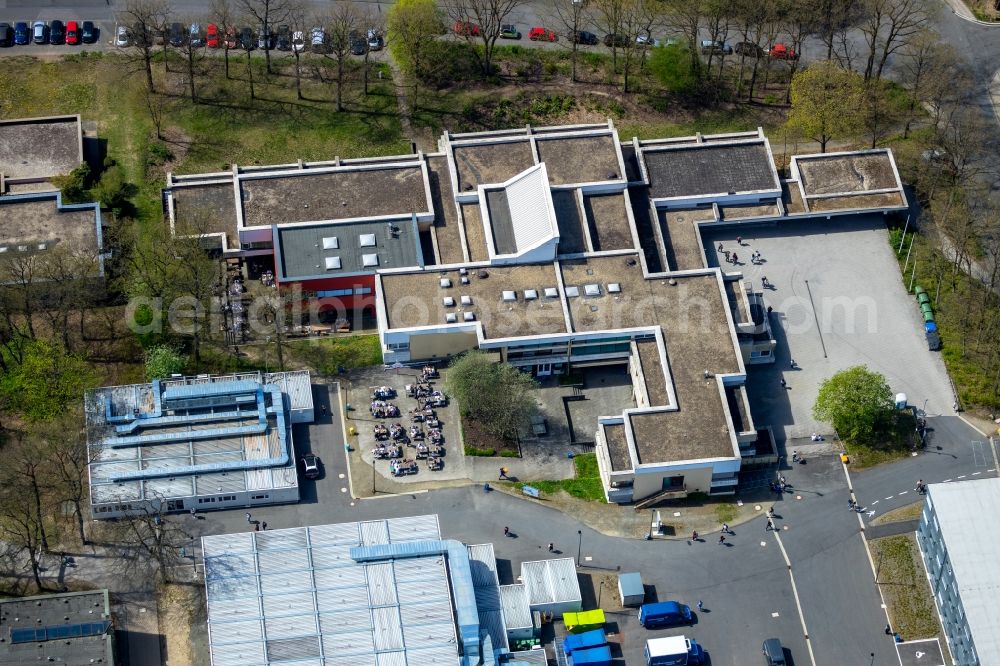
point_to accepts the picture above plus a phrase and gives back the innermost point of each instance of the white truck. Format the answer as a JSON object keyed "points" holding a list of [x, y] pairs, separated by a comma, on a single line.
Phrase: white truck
{"points": [[674, 651]]}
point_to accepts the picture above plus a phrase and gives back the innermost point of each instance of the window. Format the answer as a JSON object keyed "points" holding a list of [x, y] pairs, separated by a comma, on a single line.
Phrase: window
{"points": [[398, 346], [760, 354], [332, 293], [258, 497], [362, 291]]}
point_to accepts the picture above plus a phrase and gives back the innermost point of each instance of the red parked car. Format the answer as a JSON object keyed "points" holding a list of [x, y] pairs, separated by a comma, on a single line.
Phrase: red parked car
{"points": [[466, 29], [72, 32], [212, 36], [540, 34], [781, 52]]}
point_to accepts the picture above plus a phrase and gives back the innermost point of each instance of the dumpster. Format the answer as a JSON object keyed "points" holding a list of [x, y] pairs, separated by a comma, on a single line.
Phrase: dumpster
{"points": [[922, 298], [585, 641], [631, 590], [928, 316], [930, 327], [926, 307], [577, 623], [599, 656], [918, 290]]}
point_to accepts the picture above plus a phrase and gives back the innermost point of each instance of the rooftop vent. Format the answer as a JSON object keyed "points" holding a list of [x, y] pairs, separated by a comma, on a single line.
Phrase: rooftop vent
{"points": [[593, 308], [466, 299], [445, 283], [41, 246], [451, 317], [509, 296], [331, 243], [332, 263], [366, 240], [530, 294], [469, 316], [464, 279], [448, 301], [592, 289], [369, 260], [630, 261], [551, 292], [614, 288], [482, 275], [463, 271], [572, 292], [3, 249]]}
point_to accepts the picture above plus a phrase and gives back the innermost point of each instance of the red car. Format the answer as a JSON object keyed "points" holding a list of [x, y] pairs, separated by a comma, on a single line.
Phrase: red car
{"points": [[540, 34], [466, 29], [781, 52], [72, 32], [212, 36]]}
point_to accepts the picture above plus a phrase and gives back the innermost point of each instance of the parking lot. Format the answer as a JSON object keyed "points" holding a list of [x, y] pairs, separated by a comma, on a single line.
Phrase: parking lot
{"points": [[838, 300]]}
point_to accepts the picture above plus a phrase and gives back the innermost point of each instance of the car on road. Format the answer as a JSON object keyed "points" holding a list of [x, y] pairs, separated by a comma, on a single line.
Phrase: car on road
{"points": [[284, 38], [231, 41], [612, 39], [22, 35], [310, 466], [359, 45], [72, 32], [375, 41], [647, 40], [749, 49], [466, 29], [509, 31], [318, 40], [774, 654], [782, 52], [178, 34], [540, 34], [88, 33], [123, 37], [715, 47], [584, 37], [195, 35], [57, 32], [212, 36], [298, 41], [246, 40], [39, 32], [6, 35]]}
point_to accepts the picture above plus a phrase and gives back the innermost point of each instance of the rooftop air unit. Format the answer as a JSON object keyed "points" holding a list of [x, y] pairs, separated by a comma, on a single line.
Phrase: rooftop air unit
{"points": [[592, 289], [509, 296], [530, 294]]}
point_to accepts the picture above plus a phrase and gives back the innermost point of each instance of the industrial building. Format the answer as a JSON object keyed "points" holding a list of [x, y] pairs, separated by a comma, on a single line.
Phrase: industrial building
{"points": [[202, 443], [72, 628], [958, 541], [386, 592]]}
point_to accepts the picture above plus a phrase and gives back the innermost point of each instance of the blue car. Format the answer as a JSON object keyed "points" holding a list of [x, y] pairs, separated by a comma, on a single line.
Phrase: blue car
{"points": [[22, 35]]}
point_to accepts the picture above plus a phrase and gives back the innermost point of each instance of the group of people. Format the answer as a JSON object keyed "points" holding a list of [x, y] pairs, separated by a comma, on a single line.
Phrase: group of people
{"points": [[267, 278], [403, 467], [429, 445], [387, 451], [381, 409], [383, 393]]}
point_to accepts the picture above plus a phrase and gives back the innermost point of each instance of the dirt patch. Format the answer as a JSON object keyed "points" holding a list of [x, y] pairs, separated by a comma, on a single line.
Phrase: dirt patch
{"points": [[476, 436], [184, 624]]}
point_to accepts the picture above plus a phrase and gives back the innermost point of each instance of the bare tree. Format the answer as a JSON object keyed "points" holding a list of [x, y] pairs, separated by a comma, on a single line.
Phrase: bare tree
{"points": [[611, 16], [193, 49], [375, 23], [153, 543], [297, 19], [344, 25], [144, 18], [490, 16], [830, 18], [154, 103], [62, 445], [267, 13], [25, 466], [888, 26], [222, 15], [570, 16], [685, 17], [929, 68], [20, 527]]}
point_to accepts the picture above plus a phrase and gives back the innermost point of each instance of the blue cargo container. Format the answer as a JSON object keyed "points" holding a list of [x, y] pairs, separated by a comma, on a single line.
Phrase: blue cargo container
{"points": [[585, 641], [598, 656]]}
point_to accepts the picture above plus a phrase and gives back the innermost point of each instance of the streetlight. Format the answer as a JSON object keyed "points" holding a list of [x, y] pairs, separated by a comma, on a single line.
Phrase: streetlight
{"points": [[579, 546], [652, 519]]}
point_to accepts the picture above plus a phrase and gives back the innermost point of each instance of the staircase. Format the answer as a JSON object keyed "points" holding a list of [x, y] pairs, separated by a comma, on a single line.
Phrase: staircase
{"points": [[668, 494]]}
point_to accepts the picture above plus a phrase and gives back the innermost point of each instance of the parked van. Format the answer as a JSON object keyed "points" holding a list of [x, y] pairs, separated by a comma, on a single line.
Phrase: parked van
{"points": [[664, 614]]}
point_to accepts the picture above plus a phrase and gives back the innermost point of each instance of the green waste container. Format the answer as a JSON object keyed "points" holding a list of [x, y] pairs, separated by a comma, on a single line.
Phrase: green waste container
{"points": [[928, 316], [926, 307], [922, 297], [918, 290]]}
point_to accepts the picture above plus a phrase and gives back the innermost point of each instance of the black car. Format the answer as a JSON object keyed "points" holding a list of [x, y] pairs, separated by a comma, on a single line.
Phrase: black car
{"points": [[178, 35], [246, 40], [284, 41], [584, 37], [57, 32], [615, 40], [88, 33], [6, 35], [749, 49], [359, 45], [774, 654]]}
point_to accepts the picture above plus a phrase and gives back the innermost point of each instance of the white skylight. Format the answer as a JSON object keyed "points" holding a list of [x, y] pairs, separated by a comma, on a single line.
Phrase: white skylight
{"points": [[509, 296], [592, 289], [551, 292], [448, 301], [366, 240], [469, 316], [331, 243], [466, 299], [445, 283], [451, 317], [530, 294], [332, 263], [614, 288], [369, 260], [572, 292]]}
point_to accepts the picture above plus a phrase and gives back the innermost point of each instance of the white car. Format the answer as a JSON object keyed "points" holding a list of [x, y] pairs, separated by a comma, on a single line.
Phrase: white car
{"points": [[318, 40], [298, 41], [647, 40], [122, 37]]}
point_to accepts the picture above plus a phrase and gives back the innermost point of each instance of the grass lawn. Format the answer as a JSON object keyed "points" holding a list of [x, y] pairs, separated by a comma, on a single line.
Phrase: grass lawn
{"points": [[903, 513], [903, 581], [586, 486], [328, 356]]}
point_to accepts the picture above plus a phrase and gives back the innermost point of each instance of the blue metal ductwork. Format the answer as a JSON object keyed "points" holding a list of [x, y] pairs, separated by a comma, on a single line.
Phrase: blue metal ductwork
{"points": [[462, 587]]}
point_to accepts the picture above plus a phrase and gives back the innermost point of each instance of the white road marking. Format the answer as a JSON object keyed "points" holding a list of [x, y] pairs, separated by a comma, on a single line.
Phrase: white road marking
{"points": [[976, 473], [343, 490], [903, 493], [946, 481], [890, 497], [774, 615], [962, 477], [876, 502], [798, 604], [588, 559]]}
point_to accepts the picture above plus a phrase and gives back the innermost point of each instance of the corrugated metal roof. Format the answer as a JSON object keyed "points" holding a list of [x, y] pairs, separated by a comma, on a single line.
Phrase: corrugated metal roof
{"points": [[492, 625], [381, 584], [413, 528], [551, 581], [297, 385], [374, 532], [484, 565], [516, 608], [528, 658], [388, 629]]}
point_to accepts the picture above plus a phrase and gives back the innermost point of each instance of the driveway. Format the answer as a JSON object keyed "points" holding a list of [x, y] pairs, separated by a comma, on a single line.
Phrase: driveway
{"points": [[838, 300]]}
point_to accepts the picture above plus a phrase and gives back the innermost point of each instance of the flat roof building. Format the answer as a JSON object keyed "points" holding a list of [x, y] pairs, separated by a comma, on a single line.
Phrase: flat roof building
{"points": [[195, 443], [960, 546], [72, 628], [375, 593], [34, 150]]}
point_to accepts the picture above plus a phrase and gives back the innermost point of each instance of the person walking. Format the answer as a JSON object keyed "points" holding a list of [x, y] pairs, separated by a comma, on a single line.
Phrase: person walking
{"points": [[736, 259], [764, 283], [503, 473], [256, 527], [722, 538], [552, 547], [720, 247], [725, 528], [701, 605], [694, 535], [770, 512], [249, 520], [263, 525], [506, 531], [739, 240], [784, 384], [770, 526]]}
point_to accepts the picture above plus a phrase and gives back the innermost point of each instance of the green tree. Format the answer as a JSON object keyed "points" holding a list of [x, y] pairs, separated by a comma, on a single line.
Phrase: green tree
{"points": [[75, 184], [497, 395], [413, 28], [163, 361], [671, 65], [858, 402], [827, 103], [46, 381]]}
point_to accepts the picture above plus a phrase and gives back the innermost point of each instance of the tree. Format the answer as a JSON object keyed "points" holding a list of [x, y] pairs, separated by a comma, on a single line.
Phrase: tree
{"points": [[928, 68], [163, 361], [490, 16], [193, 52], [222, 15], [19, 524], [62, 445], [144, 18], [827, 103], [297, 19], [888, 26], [153, 543], [830, 18], [75, 184], [413, 29], [858, 402], [610, 16], [266, 14], [570, 16], [883, 109], [685, 16], [46, 381], [496, 395], [344, 25]]}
